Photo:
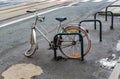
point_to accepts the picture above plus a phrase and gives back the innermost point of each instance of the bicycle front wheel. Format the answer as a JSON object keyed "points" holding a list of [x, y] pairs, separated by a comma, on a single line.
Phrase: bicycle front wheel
{"points": [[34, 44], [70, 45]]}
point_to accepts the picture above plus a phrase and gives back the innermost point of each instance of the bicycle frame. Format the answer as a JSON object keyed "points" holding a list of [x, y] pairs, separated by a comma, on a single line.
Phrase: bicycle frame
{"points": [[67, 39], [34, 28]]}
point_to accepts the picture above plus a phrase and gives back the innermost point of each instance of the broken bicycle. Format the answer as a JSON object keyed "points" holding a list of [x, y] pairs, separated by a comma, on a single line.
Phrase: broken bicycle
{"points": [[69, 40]]}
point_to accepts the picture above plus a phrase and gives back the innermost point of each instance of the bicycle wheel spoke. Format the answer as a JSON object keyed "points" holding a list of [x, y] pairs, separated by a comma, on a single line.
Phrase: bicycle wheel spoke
{"points": [[71, 44], [66, 45]]}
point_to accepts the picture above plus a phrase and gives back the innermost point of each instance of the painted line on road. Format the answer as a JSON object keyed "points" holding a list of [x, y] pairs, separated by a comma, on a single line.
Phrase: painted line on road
{"points": [[85, 0], [111, 0], [22, 19], [97, 0]]}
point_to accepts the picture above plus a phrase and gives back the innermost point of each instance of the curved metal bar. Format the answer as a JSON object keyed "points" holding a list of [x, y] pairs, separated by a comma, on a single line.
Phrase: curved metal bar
{"points": [[95, 20], [112, 19], [55, 44], [106, 10]]}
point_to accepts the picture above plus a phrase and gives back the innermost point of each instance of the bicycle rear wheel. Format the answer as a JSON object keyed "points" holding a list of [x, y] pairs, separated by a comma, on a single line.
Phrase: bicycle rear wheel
{"points": [[70, 45]]}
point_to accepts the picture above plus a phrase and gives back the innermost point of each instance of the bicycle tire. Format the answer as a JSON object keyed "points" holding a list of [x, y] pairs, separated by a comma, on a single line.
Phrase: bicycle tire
{"points": [[73, 43]]}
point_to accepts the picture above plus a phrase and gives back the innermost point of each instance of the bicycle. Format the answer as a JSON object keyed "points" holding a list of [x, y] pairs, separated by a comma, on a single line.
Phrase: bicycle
{"points": [[69, 45]]}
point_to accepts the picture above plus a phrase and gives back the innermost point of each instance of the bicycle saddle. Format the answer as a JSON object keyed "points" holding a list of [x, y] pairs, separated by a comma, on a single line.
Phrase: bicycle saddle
{"points": [[28, 11], [61, 19]]}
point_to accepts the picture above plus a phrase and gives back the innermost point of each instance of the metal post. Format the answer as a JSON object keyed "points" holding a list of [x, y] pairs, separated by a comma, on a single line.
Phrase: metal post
{"points": [[112, 19], [100, 24], [82, 47], [55, 43], [95, 21], [106, 10], [106, 13], [55, 46]]}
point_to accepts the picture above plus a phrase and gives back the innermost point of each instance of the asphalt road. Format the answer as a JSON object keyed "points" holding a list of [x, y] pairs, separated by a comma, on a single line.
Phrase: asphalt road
{"points": [[14, 40]]}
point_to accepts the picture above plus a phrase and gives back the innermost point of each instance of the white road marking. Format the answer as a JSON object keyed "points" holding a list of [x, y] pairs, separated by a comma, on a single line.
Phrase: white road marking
{"points": [[72, 4], [84, 0], [97, 0], [22, 19], [111, 0]]}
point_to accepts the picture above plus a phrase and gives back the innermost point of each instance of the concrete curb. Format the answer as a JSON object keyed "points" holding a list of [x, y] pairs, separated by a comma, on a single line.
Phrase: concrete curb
{"points": [[116, 71]]}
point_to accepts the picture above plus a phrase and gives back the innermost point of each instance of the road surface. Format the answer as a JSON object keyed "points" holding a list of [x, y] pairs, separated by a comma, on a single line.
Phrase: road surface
{"points": [[14, 40]]}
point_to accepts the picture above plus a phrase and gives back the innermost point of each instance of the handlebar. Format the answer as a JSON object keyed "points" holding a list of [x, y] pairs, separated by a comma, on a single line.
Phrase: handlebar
{"points": [[41, 18]]}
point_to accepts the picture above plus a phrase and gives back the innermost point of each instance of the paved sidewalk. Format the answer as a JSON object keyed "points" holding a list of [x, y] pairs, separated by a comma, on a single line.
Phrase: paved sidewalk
{"points": [[109, 40], [115, 10], [62, 69], [116, 71]]}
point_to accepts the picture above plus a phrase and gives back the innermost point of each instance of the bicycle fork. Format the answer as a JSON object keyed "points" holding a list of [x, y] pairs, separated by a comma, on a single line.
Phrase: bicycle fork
{"points": [[33, 39], [33, 42]]}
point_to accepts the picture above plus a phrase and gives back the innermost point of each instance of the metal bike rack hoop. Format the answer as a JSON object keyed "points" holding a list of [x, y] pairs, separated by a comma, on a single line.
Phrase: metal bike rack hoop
{"points": [[106, 10], [112, 19], [55, 43], [95, 20]]}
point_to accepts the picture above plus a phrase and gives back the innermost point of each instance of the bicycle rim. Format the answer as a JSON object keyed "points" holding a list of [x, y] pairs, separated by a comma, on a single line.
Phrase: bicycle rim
{"points": [[34, 45], [70, 45], [31, 51]]}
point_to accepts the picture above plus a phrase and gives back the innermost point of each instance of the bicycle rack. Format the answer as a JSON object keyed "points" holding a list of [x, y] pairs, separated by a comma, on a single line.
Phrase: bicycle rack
{"points": [[112, 19], [55, 44], [106, 10], [100, 24]]}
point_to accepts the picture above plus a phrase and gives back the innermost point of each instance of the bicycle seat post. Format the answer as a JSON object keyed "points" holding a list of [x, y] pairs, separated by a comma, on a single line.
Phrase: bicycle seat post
{"points": [[34, 12], [60, 24]]}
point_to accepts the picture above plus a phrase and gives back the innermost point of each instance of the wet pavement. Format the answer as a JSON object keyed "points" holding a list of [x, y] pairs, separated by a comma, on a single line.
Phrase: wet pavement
{"points": [[69, 69], [91, 68]]}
